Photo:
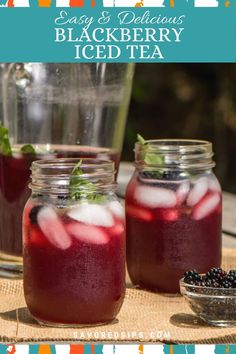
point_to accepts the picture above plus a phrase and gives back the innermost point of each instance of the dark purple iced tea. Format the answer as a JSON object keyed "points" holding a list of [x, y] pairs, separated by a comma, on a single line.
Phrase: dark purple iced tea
{"points": [[172, 226], [74, 272]]}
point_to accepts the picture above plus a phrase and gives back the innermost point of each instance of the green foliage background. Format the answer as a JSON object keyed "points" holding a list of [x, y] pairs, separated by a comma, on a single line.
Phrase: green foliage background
{"points": [[195, 101]]}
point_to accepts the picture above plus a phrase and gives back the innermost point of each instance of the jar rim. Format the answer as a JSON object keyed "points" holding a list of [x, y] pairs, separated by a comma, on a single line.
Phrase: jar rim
{"points": [[181, 154], [72, 161], [55, 175], [176, 143]]}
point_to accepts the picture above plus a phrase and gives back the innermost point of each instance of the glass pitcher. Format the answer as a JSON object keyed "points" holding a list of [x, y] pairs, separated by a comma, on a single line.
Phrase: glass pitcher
{"points": [[51, 111]]}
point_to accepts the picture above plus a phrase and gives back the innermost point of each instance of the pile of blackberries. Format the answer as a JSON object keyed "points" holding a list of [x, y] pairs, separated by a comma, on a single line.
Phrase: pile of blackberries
{"points": [[165, 175], [214, 278]]}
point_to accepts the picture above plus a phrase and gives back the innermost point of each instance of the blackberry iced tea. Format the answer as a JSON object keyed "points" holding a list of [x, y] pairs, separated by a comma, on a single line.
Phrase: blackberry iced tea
{"points": [[74, 248], [173, 213], [14, 191]]}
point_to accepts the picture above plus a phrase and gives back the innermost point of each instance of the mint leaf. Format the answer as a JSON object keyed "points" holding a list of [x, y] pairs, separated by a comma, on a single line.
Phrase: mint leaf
{"points": [[141, 140], [77, 170], [151, 158], [28, 149], [80, 188], [5, 146]]}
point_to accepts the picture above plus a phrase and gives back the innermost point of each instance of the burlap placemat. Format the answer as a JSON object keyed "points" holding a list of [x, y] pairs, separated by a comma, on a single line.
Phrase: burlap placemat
{"points": [[145, 317]]}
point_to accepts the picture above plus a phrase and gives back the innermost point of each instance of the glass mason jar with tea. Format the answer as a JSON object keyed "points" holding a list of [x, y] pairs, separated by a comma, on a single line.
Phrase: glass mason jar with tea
{"points": [[173, 213], [53, 111], [73, 243]]}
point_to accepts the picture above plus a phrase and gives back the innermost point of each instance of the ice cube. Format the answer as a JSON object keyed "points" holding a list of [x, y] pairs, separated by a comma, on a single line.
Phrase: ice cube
{"points": [[198, 191], [167, 214], [116, 208], [92, 214], [206, 207], [88, 233], [53, 229], [155, 197], [138, 213], [214, 185], [118, 229], [182, 192]]}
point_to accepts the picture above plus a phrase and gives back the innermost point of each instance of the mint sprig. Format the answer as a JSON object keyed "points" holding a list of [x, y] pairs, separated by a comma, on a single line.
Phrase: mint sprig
{"points": [[5, 146], [150, 158], [28, 149], [80, 188], [141, 140]]}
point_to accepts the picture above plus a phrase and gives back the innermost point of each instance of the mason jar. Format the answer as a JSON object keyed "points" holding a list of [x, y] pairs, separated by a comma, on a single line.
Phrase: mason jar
{"points": [[173, 213], [73, 243]]}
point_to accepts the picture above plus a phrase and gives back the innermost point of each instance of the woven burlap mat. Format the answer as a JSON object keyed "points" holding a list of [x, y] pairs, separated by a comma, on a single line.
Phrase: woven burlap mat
{"points": [[145, 317]]}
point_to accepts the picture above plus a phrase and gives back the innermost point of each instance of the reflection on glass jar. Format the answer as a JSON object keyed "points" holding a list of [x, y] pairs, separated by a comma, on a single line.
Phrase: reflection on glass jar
{"points": [[74, 243], [173, 213]]}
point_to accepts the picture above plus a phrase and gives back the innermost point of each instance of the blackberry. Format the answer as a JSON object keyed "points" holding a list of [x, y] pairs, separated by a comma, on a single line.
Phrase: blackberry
{"points": [[216, 285], [216, 275], [226, 284], [192, 277], [230, 278], [165, 175], [171, 175], [214, 278], [150, 175], [213, 272], [198, 283], [208, 284], [190, 272], [33, 214], [62, 197]]}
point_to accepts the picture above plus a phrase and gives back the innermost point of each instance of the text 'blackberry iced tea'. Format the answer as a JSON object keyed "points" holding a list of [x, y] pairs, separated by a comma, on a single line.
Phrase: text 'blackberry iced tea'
{"points": [[173, 213], [74, 243]]}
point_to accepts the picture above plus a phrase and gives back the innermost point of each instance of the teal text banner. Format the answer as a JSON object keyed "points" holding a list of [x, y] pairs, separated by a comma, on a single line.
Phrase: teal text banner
{"points": [[180, 32]]}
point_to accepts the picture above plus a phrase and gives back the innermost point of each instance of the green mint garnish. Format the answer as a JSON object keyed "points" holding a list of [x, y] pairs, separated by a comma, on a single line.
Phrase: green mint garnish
{"points": [[5, 146], [80, 188], [28, 149], [141, 140], [151, 158]]}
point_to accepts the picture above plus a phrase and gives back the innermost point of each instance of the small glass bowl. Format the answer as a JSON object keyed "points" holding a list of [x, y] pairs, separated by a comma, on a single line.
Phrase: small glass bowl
{"points": [[215, 306]]}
